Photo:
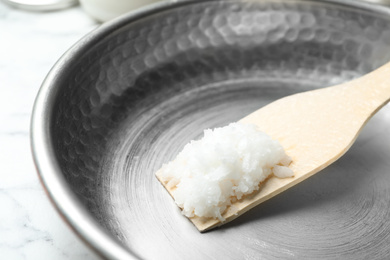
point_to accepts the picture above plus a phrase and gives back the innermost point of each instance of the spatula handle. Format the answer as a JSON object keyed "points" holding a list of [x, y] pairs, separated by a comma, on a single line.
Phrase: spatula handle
{"points": [[370, 92]]}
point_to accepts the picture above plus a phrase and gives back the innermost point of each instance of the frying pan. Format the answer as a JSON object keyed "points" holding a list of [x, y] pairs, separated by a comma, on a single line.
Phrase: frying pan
{"points": [[128, 96]]}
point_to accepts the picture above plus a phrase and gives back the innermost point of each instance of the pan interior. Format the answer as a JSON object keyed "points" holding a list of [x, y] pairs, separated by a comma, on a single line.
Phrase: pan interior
{"points": [[136, 97]]}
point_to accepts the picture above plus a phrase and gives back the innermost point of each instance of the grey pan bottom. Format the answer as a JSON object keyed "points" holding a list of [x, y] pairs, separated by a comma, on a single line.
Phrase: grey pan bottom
{"points": [[128, 97], [342, 212]]}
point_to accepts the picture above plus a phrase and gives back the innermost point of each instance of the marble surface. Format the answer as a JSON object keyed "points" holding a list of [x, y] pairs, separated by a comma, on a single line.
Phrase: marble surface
{"points": [[30, 43]]}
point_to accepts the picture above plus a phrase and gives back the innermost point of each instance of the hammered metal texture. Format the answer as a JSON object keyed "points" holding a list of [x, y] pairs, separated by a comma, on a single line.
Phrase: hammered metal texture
{"points": [[137, 96]]}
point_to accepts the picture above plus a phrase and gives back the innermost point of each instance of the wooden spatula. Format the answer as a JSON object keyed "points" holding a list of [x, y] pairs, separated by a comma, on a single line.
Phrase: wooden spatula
{"points": [[315, 128]]}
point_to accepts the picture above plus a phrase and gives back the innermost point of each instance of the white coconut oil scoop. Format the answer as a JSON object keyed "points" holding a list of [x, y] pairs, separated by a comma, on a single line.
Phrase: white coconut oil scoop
{"points": [[315, 129]]}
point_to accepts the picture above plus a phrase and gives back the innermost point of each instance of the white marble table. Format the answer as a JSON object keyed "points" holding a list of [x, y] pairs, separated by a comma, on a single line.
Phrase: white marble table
{"points": [[30, 43]]}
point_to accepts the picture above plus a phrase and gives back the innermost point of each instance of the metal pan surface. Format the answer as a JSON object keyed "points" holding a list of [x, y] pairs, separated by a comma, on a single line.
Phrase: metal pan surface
{"points": [[131, 94]]}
